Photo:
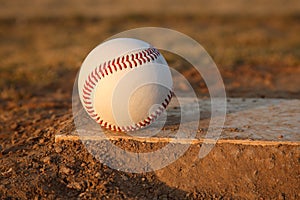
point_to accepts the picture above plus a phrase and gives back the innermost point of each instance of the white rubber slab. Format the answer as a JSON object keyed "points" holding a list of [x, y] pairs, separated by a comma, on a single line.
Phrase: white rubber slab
{"points": [[248, 121]]}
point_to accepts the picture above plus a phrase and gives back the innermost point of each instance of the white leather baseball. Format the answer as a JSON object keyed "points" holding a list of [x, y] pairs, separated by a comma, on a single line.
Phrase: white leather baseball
{"points": [[124, 84]]}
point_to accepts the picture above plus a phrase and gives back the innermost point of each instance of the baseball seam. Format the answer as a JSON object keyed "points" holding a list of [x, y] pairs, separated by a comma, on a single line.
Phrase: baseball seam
{"points": [[109, 67]]}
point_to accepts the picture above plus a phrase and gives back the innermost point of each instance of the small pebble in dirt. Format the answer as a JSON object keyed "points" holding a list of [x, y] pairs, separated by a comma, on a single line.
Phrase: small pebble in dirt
{"points": [[81, 194], [281, 196], [97, 175], [14, 126], [35, 146], [255, 172], [65, 170], [7, 172], [75, 185], [58, 149], [200, 131], [36, 132], [47, 159], [42, 140]]}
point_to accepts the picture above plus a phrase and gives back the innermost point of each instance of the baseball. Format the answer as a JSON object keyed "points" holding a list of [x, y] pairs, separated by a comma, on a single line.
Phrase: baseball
{"points": [[124, 84]]}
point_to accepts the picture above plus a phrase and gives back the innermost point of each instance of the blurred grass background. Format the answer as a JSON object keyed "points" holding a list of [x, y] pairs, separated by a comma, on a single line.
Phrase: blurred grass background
{"points": [[255, 44]]}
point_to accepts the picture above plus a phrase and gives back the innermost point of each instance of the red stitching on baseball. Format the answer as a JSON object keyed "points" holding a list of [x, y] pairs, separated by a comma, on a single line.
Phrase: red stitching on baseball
{"points": [[93, 76], [88, 84], [90, 111], [90, 80], [101, 70], [145, 56], [150, 54], [122, 61], [113, 64], [142, 57], [109, 67], [87, 102], [118, 63], [141, 124], [137, 56], [127, 60], [86, 97], [85, 91], [133, 60], [153, 116], [93, 115], [96, 73]]}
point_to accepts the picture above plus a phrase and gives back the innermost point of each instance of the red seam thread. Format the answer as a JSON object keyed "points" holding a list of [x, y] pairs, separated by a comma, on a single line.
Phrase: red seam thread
{"points": [[113, 64], [140, 58]]}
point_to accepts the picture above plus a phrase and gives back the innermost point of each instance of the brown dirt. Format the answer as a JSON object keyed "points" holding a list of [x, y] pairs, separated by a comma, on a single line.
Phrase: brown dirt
{"points": [[238, 171], [258, 56]]}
